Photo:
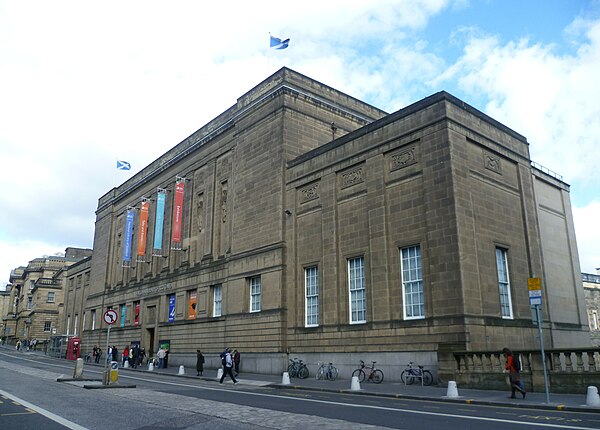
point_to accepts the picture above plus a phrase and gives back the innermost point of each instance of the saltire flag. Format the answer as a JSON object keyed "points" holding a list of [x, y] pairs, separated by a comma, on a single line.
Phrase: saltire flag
{"points": [[277, 43], [177, 213], [123, 165], [128, 237], [141, 252], [160, 220]]}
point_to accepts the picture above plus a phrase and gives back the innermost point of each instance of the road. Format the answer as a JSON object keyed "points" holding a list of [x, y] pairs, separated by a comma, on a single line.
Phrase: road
{"points": [[32, 399]]}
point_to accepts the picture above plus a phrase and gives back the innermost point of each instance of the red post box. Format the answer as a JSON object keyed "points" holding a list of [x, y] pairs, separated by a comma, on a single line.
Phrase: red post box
{"points": [[73, 348]]}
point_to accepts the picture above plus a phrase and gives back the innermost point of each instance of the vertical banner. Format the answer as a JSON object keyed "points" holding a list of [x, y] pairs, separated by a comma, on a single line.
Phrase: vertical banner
{"points": [[172, 308], [128, 237], [160, 221], [193, 300], [123, 314], [177, 213], [136, 320], [142, 235]]}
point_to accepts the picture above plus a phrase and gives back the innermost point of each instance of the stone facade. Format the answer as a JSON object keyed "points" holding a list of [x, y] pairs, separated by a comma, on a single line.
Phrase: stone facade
{"points": [[316, 225], [591, 286], [76, 291]]}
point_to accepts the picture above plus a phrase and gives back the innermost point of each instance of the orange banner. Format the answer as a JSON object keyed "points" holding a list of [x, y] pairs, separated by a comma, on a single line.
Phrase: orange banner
{"points": [[177, 215], [143, 229], [192, 305]]}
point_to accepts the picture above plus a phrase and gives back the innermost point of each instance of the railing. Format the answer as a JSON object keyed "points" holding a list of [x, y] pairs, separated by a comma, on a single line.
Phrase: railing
{"points": [[546, 170], [569, 370]]}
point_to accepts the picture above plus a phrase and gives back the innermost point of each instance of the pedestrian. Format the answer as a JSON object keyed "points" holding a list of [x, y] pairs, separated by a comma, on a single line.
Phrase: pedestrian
{"points": [[115, 354], [98, 355], [199, 363], [142, 355], [236, 362], [161, 358], [125, 356], [227, 367], [513, 369], [135, 355]]}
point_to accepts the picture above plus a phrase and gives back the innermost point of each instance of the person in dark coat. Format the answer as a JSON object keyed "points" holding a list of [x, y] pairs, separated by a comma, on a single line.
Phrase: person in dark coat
{"points": [[236, 362], [199, 363]]}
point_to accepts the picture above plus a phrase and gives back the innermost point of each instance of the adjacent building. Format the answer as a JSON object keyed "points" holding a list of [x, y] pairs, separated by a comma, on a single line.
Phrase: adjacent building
{"points": [[591, 286], [304, 222], [36, 297]]}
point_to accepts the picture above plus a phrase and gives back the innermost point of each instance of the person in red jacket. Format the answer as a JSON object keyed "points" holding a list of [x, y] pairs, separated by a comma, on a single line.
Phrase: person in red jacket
{"points": [[513, 372]]}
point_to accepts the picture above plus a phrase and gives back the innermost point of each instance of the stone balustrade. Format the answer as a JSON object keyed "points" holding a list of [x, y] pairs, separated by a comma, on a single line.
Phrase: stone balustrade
{"points": [[569, 370]]}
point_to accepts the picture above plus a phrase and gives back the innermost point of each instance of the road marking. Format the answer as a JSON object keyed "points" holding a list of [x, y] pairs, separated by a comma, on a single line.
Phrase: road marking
{"points": [[44, 412]]}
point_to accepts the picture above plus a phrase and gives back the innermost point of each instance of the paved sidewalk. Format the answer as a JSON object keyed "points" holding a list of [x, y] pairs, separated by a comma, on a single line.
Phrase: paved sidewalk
{"points": [[566, 402]]}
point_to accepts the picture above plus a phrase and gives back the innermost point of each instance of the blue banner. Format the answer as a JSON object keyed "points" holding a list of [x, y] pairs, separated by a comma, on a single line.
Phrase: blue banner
{"points": [[128, 235], [172, 308], [160, 220]]}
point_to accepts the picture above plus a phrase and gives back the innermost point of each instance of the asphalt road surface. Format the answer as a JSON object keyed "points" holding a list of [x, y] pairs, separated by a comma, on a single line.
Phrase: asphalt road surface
{"points": [[32, 399]]}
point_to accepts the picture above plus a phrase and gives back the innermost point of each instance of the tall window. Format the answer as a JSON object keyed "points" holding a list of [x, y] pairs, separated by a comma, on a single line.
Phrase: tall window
{"points": [[47, 325], [217, 300], [311, 283], [68, 325], [504, 283], [93, 319], [29, 302], [255, 294], [75, 325], [412, 283], [356, 281], [51, 296], [594, 320]]}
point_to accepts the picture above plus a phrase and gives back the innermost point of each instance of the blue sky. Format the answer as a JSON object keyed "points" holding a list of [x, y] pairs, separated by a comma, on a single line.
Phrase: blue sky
{"points": [[83, 84]]}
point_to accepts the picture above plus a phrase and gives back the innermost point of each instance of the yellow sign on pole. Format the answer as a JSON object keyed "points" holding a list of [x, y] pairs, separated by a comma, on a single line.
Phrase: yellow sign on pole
{"points": [[534, 284]]}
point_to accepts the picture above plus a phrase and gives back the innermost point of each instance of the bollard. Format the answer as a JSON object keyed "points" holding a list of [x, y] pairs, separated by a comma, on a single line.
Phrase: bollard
{"points": [[181, 370], [150, 366], [452, 390], [355, 385], [285, 379], [78, 371], [220, 373], [593, 399]]}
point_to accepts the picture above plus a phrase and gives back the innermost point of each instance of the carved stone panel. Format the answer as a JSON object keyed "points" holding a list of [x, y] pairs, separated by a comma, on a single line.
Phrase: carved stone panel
{"points": [[492, 162], [403, 158], [352, 177]]}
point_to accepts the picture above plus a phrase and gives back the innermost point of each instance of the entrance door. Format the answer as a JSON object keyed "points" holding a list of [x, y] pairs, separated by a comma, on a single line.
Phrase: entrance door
{"points": [[149, 340]]}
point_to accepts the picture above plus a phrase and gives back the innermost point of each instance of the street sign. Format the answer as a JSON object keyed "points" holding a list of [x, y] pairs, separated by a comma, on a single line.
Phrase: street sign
{"points": [[534, 285], [110, 316]]}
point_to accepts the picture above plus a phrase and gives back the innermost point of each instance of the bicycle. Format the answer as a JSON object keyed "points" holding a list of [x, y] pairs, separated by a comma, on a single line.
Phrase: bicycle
{"points": [[297, 368], [409, 375], [329, 372], [370, 373]]}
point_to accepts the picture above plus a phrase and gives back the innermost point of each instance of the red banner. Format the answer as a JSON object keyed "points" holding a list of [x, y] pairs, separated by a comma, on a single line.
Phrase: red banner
{"points": [[136, 320], [192, 303], [177, 213], [143, 229]]}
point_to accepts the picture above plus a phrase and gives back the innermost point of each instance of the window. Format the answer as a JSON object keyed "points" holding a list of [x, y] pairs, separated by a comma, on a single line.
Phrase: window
{"points": [[69, 325], [412, 282], [29, 302], [594, 320], [51, 297], [503, 283], [356, 281], [75, 325], [311, 284], [217, 300], [93, 319], [83, 322], [47, 326], [255, 294]]}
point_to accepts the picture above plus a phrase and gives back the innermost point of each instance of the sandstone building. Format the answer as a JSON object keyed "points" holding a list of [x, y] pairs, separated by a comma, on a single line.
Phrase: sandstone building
{"points": [[304, 222], [591, 287], [36, 297]]}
